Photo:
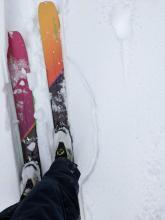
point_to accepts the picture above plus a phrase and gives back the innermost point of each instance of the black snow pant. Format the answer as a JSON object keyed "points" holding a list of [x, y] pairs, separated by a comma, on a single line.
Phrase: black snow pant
{"points": [[54, 198]]}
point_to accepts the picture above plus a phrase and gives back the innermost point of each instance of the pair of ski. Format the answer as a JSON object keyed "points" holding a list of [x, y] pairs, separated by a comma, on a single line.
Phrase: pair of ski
{"points": [[19, 68]]}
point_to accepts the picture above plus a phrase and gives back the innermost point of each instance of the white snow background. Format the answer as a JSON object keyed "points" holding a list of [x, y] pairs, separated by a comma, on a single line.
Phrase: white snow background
{"points": [[114, 56]]}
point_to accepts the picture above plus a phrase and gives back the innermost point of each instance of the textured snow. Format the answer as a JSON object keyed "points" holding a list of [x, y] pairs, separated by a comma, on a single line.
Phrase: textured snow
{"points": [[115, 71], [10, 161]]}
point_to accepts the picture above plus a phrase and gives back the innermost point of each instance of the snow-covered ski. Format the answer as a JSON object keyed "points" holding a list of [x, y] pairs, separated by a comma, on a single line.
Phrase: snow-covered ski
{"points": [[52, 48], [18, 66]]}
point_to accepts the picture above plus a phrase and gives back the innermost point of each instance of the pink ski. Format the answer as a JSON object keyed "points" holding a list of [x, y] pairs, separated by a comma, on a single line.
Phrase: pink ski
{"points": [[18, 65]]}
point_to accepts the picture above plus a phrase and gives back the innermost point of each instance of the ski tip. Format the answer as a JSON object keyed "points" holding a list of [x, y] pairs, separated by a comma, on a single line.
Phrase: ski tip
{"points": [[47, 7], [16, 40], [46, 4], [17, 50], [14, 34]]}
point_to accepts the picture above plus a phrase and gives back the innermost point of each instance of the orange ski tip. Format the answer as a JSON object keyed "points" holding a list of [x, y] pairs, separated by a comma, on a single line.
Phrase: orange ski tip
{"points": [[50, 37], [48, 4], [46, 11]]}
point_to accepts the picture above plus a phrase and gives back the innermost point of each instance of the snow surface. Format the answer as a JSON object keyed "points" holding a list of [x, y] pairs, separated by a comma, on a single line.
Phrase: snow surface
{"points": [[114, 62]]}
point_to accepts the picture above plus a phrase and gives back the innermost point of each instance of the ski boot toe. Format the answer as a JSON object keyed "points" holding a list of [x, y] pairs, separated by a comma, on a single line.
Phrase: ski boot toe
{"points": [[64, 145], [63, 152], [30, 177]]}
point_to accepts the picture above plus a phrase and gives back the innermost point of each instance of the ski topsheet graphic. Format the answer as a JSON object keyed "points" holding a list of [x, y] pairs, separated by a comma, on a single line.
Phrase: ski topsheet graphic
{"points": [[18, 65], [52, 48]]}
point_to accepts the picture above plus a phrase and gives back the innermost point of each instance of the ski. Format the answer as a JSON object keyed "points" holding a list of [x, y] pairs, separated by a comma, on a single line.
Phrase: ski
{"points": [[18, 66], [52, 48]]}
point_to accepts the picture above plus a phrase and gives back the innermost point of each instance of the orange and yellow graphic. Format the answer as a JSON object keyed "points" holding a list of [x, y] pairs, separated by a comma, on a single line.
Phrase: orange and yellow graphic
{"points": [[50, 35]]}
